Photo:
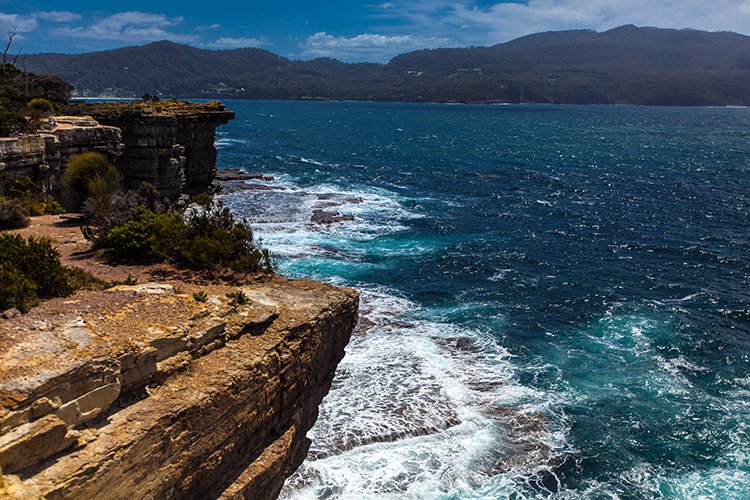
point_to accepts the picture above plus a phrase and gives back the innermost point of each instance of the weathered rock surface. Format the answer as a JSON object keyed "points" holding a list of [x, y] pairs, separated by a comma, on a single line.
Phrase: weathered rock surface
{"points": [[143, 392], [329, 217], [228, 174], [44, 156], [172, 147]]}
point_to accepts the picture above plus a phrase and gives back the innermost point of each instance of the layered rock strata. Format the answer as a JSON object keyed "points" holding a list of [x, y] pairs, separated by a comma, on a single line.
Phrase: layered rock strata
{"points": [[145, 392], [44, 156], [169, 145], [172, 147]]}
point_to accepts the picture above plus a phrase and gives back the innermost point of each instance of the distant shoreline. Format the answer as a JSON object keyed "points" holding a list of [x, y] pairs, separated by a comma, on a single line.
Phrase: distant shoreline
{"points": [[477, 103]]}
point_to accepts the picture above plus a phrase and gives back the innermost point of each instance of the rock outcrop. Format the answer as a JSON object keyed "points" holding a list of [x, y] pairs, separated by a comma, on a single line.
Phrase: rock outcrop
{"points": [[169, 144], [145, 392], [44, 156]]}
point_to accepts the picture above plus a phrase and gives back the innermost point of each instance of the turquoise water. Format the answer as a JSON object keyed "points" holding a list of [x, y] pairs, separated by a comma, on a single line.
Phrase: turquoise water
{"points": [[555, 300]]}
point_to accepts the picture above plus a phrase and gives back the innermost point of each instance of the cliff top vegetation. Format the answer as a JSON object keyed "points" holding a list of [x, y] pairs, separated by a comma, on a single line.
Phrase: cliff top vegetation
{"points": [[171, 107]]}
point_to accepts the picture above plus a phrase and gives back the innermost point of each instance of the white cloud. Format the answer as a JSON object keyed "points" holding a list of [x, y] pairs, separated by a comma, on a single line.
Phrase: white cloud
{"points": [[365, 47], [238, 43], [21, 24], [57, 16], [207, 27], [133, 27], [465, 22]]}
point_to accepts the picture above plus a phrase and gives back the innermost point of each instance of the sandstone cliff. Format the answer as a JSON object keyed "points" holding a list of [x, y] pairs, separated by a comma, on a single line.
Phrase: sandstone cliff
{"points": [[169, 144], [43, 156], [144, 392]]}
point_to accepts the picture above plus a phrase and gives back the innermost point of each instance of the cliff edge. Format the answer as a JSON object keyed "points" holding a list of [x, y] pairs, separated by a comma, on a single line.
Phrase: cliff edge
{"points": [[145, 391]]}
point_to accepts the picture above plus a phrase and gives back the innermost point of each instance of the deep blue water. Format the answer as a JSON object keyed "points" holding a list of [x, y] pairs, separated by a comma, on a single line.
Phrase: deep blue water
{"points": [[556, 300]]}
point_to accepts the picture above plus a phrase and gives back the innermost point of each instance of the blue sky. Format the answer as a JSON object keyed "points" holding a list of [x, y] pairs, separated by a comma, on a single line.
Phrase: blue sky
{"points": [[346, 29]]}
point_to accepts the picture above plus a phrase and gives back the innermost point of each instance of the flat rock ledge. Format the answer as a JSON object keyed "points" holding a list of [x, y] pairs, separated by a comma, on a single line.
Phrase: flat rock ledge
{"points": [[144, 392]]}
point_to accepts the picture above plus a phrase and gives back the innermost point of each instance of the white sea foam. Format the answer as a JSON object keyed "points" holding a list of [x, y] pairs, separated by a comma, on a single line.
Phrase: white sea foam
{"points": [[500, 275], [223, 142], [422, 408], [419, 406], [281, 217]]}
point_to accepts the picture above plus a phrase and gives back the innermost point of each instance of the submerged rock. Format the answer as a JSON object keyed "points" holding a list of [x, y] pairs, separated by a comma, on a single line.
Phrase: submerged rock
{"points": [[329, 217], [241, 175]]}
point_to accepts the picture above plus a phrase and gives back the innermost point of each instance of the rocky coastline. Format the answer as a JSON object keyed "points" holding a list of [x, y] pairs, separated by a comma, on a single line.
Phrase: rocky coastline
{"points": [[169, 145], [165, 386], [143, 391]]}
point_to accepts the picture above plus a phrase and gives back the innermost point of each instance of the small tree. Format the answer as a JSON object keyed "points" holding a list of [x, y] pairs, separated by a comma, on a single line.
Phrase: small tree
{"points": [[7, 58]]}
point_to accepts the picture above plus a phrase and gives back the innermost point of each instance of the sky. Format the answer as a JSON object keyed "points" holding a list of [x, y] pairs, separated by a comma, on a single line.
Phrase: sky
{"points": [[349, 30]]}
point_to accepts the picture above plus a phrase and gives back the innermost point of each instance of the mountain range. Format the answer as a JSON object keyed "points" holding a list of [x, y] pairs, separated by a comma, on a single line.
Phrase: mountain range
{"points": [[625, 65]]}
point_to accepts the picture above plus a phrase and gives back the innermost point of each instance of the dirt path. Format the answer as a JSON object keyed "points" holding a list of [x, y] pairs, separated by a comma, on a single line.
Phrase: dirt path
{"points": [[77, 251]]}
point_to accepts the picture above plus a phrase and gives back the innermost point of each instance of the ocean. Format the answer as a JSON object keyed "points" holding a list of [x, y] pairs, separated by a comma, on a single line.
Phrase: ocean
{"points": [[555, 299]]}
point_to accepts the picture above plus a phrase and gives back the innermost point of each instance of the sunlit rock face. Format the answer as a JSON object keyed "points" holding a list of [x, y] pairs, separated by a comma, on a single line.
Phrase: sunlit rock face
{"points": [[169, 146], [144, 392], [43, 156]]}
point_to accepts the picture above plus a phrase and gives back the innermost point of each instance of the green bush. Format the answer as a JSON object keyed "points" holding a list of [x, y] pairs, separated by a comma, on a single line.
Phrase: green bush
{"points": [[213, 238], [107, 210], [102, 189], [204, 200], [84, 172], [200, 296], [83, 280], [39, 107], [28, 196], [31, 270], [142, 238], [12, 214], [238, 298], [16, 289], [204, 238], [11, 122]]}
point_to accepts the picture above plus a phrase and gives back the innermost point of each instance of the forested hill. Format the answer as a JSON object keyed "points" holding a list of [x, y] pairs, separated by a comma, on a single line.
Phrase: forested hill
{"points": [[626, 65]]}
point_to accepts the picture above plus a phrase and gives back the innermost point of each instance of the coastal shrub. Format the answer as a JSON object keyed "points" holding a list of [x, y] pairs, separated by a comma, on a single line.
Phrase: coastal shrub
{"points": [[31, 270], [84, 172], [11, 122], [39, 108], [12, 215], [211, 238], [28, 196], [269, 263], [238, 298], [146, 237], [16, 290], [78, 279], [101, 190], [203, 238], [49, 206], [129, 281], [204, 200], [116, 209]]}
